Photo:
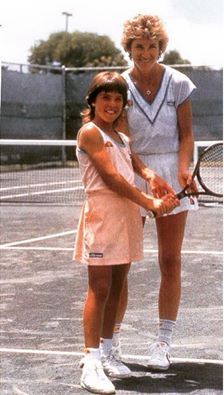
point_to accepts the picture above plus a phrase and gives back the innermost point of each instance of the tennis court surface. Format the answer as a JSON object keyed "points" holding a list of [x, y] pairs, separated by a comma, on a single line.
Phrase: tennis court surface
{"points": [[43, 291]]}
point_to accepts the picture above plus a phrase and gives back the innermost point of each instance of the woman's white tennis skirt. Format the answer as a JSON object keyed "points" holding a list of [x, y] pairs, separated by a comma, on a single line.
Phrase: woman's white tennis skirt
{"points": [[110, 230]]}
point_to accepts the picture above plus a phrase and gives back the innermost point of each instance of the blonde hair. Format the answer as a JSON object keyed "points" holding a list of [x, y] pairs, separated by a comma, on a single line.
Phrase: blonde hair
{"points": [[149, 26], [108, 81]]}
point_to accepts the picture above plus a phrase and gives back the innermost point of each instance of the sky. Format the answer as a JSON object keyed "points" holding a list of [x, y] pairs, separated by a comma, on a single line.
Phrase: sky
{"points": [[195, 27]]}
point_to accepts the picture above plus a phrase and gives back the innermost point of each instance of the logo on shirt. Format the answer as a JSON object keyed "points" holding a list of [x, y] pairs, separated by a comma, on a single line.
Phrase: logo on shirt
{"points": [[171, 103], [95, 255], [108, 144]]}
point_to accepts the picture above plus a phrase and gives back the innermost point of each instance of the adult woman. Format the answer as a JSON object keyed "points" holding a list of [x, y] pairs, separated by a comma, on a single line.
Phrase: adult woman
{"points": [[160, 127]]}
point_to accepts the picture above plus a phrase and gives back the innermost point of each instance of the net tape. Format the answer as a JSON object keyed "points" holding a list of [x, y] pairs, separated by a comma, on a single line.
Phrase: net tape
{"points": [[40, 172]]}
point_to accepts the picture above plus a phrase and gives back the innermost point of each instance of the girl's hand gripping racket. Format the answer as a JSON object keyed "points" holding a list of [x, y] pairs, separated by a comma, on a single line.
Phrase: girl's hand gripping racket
{"points": [[208, 172]]}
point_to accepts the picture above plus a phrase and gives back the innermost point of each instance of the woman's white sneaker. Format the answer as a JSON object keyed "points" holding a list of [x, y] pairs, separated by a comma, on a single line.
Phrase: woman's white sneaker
{"points": [[114, 368], [159, 357], [93, 377]]}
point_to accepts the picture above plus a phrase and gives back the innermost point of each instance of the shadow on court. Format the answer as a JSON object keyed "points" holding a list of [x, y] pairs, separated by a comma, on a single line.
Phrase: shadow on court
{"points": [[60, 375], [180, 378], [42, 296]]}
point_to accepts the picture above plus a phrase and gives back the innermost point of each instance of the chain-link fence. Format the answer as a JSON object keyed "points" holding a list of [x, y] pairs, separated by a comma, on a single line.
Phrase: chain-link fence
{"points": [[40, 102]]}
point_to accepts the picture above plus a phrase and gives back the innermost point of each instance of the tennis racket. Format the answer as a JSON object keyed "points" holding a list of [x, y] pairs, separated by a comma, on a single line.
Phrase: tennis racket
{"points": [[208, 172]]}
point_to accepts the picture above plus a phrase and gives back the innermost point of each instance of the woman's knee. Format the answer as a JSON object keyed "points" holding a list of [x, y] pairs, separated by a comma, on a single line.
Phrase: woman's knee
{"points": [[170, 266]]}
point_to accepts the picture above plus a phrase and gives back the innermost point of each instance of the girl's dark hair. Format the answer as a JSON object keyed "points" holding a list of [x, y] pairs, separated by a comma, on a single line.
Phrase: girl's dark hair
{"points": [[107, 81]]}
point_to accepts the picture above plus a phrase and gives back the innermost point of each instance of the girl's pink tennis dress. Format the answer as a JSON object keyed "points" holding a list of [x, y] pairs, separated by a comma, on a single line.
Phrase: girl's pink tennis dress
{"points": [[110, 230]]}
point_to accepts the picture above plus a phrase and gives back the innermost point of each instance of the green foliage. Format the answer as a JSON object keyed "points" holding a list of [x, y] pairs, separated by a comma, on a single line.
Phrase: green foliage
{"points": [[76, 50], [174, 57]]}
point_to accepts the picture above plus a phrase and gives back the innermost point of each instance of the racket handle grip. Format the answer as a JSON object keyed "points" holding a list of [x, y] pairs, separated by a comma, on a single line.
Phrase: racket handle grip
{"points": [[181, 195]]}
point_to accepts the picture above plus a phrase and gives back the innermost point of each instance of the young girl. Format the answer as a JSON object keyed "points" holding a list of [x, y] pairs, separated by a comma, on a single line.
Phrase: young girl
{"points": [[110, 229]]}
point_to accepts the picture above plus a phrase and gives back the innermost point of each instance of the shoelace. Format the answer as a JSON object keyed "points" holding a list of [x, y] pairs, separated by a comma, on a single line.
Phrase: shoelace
{"points": [[116, 346], [159, 350], [116, 364], [117, 349], [97, 367], [114, 360]]}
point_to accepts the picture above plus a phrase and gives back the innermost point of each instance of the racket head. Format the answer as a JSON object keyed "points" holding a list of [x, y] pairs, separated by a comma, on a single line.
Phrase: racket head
{"points": [[209, 170]]}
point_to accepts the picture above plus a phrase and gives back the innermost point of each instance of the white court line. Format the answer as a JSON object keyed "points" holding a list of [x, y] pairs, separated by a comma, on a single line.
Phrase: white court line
{"points": [[127, 356], [151, 251], [218, 253], [17, 391], [197, 252], [70, 232], [12, 188], [47, 192], [38, 248]]}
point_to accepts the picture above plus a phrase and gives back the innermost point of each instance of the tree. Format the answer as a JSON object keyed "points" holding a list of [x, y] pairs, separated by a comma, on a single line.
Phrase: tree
{"points": [[76, 50], [174, 57]]}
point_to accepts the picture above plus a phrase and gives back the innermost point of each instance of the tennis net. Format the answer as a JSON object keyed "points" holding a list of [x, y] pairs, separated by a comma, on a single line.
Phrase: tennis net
{"points": [[46, 171], [40, 171]]}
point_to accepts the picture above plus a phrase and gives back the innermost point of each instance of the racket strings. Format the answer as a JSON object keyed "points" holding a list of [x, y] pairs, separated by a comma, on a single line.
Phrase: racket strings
{"points": [[211, 169]]}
